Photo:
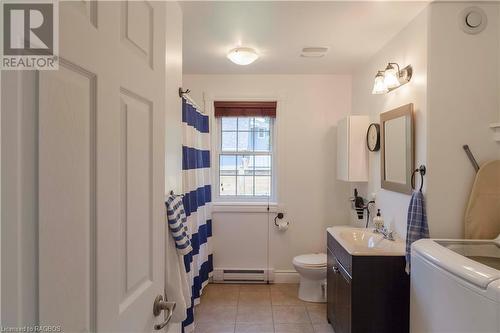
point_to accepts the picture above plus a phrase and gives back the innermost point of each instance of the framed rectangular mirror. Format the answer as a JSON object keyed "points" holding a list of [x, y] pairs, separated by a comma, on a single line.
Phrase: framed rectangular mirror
{"points": [[397, 149]]}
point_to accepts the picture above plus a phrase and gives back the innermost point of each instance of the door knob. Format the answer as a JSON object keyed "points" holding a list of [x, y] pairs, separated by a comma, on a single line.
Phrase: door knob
{"points": [[160, 305]]}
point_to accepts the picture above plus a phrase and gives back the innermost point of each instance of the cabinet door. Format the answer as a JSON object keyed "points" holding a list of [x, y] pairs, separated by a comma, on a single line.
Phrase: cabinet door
{"points": [[343, 149], [342, 299], [330, 287], [352, 153]]}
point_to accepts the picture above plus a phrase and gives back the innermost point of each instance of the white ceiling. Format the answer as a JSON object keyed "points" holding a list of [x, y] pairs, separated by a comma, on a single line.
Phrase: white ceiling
{"points": [[279, 30]]}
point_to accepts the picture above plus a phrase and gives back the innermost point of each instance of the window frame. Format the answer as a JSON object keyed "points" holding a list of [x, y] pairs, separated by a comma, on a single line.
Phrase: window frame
{"points": [[217, 152]]}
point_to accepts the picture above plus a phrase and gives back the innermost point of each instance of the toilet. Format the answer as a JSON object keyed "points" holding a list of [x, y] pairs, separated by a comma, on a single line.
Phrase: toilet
{"points": [[312, 271]]}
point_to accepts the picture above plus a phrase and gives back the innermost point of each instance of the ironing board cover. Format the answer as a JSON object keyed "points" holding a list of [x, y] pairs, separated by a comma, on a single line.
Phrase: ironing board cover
{"points": [[482, 217]]}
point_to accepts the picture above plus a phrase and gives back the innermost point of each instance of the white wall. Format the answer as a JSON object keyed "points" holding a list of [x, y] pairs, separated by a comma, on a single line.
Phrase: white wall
{"points": [[173, 144], [408, 47], [308, 192], [463, 100], [173, 116], [455, 91]]}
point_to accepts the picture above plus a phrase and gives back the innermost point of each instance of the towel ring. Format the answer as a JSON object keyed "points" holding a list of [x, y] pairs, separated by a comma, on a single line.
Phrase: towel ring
{"points": [[422, 170]]}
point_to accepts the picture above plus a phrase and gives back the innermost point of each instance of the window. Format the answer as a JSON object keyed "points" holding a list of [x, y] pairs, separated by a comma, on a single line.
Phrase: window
{"points": [[245, 156]]}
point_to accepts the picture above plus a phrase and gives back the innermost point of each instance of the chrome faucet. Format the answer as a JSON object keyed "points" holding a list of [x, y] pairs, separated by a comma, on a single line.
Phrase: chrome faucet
{"points": [[386, 233]]}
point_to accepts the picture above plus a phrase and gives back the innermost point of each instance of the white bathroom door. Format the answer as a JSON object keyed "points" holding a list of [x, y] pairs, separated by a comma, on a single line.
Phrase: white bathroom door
{"points": [[101, 169]]}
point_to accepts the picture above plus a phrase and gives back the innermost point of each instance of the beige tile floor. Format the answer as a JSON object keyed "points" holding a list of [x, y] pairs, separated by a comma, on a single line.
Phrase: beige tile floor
{"points": [[254, 308]]}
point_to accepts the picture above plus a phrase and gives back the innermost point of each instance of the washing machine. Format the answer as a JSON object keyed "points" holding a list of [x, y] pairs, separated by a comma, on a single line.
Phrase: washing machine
{"points": [[455, 286]]}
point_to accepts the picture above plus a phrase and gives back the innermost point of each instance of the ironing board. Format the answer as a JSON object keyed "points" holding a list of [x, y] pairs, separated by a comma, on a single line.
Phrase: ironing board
{"points": [[482, 217]]}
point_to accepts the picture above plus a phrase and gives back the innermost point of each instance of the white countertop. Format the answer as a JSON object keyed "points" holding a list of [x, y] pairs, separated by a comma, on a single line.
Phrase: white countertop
{"points": [[364, 242]]}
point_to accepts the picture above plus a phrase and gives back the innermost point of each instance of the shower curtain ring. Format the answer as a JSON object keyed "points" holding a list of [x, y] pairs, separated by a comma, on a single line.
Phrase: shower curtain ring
{"points": [[182, 92]]}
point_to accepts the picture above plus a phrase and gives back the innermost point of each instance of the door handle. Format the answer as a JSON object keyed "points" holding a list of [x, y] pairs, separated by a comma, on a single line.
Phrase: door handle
{"points": [[160, 305], [336, 269]]}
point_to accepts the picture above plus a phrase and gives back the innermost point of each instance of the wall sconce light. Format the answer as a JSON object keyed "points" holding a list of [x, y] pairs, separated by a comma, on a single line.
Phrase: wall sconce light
{"points": [[391, 78], [379, 86]]}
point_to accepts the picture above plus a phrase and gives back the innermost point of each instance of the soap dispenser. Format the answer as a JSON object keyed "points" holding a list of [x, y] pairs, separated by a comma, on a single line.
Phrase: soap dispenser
{"points": [[378, 221]]}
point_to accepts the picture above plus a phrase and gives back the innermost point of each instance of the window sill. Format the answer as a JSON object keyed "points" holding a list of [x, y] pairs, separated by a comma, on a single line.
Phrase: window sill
{"points": [[244, 207]]}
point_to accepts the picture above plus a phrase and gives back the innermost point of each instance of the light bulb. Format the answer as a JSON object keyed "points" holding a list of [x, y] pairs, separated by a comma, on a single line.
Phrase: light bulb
{"points": [[391, 77], [379, 86]]}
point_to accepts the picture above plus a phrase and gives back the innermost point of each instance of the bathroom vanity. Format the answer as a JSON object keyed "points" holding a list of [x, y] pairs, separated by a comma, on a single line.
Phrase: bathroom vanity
{"points": [[368, 289]]}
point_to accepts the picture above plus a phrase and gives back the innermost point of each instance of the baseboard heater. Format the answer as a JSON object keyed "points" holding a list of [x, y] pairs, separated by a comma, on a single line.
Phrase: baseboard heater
{"points": [[243, 275]]}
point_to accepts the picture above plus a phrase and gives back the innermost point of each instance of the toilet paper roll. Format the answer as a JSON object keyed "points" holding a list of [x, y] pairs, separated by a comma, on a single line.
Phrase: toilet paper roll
{"points": [[282, 226]]}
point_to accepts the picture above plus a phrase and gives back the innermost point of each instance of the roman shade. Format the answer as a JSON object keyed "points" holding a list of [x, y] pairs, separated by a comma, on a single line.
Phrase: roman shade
{"points": [[245, 109]]}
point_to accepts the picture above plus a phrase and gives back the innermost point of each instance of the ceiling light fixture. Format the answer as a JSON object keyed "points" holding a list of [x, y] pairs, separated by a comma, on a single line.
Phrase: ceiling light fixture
{"points": [[391, 78], [242, 55]]}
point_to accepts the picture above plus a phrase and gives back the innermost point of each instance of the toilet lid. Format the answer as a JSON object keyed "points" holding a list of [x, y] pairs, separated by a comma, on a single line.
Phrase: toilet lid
{"points": [[309, 260]]}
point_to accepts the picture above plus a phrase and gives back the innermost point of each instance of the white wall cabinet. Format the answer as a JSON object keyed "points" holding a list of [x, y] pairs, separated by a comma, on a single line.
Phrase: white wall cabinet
{"points": [[352, 153]]}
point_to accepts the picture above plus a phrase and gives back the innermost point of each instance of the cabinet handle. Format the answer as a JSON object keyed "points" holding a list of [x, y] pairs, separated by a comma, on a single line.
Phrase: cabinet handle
{"points": [[341, 270]]}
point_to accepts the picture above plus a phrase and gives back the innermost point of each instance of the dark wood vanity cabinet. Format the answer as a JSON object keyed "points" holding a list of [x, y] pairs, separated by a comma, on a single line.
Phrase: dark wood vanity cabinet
{"points": [[366, 294]]}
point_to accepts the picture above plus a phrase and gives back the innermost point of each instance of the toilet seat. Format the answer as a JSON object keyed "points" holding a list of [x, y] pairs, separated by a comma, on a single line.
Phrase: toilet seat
{"points": [[313, 260]]}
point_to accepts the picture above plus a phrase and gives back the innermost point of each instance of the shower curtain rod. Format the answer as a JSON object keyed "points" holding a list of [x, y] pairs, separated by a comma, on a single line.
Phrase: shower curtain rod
{"points": [[184, 93]]}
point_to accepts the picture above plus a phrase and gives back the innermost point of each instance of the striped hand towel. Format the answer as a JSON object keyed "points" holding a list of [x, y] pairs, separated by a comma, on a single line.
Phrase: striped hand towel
{"points": [[176, 217], [416, 224]]}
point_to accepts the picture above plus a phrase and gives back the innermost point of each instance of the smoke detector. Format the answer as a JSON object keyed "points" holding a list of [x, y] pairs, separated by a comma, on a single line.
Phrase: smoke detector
{"points": [[314, 52], [473, 20]]}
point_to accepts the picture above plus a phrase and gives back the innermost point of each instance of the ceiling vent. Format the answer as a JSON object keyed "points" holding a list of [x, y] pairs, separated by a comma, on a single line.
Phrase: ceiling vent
{"points": [[473, 20], [314, 52]]}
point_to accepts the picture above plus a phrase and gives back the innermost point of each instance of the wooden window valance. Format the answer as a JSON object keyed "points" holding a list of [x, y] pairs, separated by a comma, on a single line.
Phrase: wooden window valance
{"points": [[245, 109]]}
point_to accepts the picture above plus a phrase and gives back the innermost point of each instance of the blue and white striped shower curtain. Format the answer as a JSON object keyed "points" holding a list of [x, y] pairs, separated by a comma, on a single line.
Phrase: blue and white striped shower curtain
{"points": [[197, 201]]}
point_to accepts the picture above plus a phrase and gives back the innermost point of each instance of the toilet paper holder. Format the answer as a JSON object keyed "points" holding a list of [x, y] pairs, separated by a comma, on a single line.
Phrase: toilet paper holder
{"points": [[279, 216]]}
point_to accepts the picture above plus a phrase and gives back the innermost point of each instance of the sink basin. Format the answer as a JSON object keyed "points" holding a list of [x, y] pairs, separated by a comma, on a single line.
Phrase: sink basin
{"points": [[365, 242], [362, 238]]}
